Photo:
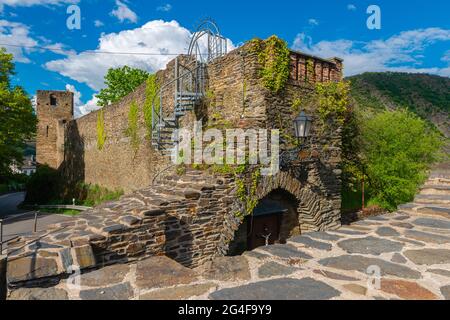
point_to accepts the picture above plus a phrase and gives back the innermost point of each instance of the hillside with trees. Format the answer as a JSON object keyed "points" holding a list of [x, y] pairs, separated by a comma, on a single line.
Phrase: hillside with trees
{"points": [[426, 95], [389, 140]]}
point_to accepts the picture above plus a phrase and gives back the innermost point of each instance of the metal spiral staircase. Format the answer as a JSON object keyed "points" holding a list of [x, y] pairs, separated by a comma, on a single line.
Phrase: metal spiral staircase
{"points": [[187, 87]]}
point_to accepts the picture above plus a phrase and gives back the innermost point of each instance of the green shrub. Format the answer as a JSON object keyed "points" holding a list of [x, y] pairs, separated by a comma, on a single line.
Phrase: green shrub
{"points": [[397, 148], [43, 186], [333, 100], [93, 195], [352, 198]]}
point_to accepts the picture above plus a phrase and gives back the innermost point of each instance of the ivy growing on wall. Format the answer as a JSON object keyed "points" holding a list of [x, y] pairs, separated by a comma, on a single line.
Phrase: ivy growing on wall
{"points": [[132, 129], [296, 106], [273, 54], [332, 100], [309, 69], [151, 93], [247, 180], [101, 136], [246, 192]]}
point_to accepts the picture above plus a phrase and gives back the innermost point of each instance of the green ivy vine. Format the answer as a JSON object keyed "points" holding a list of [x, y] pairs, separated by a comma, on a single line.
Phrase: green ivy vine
{"points": [[151, 92], [247, 180], [273, 55], [332, 100], [246, 192], [309, 69], [101, 136]]}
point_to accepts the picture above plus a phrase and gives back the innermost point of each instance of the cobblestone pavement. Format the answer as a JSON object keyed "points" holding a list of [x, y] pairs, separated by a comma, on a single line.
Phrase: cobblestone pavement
{"points": [[409, 248]]}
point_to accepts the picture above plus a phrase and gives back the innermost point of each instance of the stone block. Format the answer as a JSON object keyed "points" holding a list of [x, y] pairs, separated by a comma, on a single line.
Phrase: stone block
{"points": [[159, 272], [84, 257], [31, 267]]}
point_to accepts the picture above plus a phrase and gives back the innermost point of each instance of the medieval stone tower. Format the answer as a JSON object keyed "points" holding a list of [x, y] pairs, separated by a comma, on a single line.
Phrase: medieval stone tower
{"points": [[54, 110]]}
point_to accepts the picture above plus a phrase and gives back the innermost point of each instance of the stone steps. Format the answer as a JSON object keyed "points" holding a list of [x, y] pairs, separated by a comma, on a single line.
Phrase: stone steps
{"points": [[425, 210], [433, 199], [435, 189], [439, 181]]}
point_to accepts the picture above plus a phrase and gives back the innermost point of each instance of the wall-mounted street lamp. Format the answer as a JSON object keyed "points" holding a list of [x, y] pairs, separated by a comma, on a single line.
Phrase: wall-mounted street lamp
{"points": [[302, 126]]}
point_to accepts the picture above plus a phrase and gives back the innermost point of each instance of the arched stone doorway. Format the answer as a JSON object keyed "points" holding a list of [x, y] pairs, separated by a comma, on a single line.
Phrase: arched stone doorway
{"points": [[315, 210], [274, 220]]}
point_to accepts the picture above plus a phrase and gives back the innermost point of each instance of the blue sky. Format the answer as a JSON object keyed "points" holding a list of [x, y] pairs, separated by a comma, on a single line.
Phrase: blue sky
{"points": [[414, 35]]}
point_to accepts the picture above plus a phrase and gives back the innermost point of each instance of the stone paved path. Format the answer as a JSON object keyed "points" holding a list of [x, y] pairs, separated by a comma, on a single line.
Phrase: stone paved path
{"points": [[410, 248]]}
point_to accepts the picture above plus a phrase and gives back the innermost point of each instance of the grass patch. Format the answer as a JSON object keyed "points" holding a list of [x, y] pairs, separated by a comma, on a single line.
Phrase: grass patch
{"points": [[66, 212], [94, 195]]}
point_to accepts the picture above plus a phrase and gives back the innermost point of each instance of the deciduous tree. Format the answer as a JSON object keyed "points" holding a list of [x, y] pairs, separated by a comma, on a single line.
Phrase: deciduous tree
{"points": [[119, 83], [17, 119]]}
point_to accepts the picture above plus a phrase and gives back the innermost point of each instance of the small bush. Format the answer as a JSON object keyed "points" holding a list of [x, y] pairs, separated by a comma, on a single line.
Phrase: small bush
{"points": [[398, 149], [93, 195], [43, 186]]}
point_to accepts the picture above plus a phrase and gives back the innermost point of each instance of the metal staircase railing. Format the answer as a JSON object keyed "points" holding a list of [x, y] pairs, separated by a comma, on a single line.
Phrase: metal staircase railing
{"points": [[189, 88]]}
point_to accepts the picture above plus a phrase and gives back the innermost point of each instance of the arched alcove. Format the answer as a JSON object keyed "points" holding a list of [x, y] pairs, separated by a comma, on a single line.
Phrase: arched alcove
{"points": [[274, 220], [299, 208]]}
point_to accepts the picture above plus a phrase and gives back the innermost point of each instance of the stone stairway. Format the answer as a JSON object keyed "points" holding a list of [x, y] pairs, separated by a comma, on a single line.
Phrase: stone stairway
{"points": [[434, 196]]}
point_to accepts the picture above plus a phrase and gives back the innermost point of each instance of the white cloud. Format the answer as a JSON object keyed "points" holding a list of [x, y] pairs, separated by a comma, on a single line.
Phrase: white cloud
{"points": [[81, 109], [401, 52], [313, 22], [351, 7], [16, 34], [165, 8], [98, 23], [30, 3], [124, 13], [16, 38], [163, 38], [446, 57]]}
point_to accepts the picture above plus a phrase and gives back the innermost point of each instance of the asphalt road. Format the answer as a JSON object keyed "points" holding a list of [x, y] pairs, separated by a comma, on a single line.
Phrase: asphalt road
{"points": [[19, 222], [9, 203]]}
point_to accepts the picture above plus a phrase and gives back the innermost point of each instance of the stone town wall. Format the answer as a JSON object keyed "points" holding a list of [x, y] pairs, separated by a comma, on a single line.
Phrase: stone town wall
{"points": [[190, 217], [233, 92], [117, 165]]}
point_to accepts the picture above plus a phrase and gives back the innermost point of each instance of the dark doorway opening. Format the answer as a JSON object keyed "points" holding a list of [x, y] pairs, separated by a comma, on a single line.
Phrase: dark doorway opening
{"points": [[274, 220]]}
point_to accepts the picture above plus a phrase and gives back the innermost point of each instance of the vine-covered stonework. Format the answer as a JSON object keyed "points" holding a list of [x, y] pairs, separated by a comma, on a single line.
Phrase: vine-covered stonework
{"points": [[192, 215], [273, 55], [332, 100], [101, 136], [151, 93]]}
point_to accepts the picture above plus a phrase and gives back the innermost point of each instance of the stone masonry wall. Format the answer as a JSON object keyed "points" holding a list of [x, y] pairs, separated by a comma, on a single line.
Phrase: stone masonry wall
{"points": [[318, 166], [54, 109], [117, 165], [188, 217]]}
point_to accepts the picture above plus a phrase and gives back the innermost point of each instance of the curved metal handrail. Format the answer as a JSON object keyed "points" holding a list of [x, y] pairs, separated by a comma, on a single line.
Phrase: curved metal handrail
{"points": [[168, 84]]}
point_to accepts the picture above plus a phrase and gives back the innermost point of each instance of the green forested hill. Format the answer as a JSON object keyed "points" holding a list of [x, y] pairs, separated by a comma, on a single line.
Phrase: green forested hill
{"points": [[426, 95]]}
